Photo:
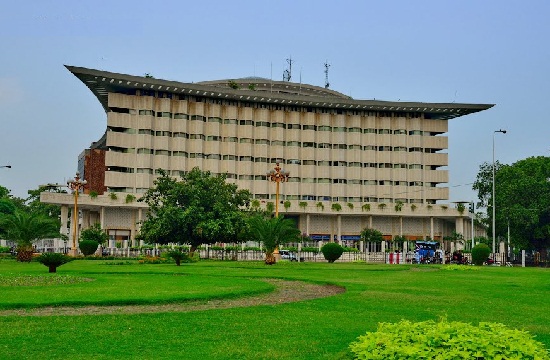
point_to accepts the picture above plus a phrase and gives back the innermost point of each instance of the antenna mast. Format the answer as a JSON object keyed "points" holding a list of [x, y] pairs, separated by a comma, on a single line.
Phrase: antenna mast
{"points": [[287, 74], [327, 65]]}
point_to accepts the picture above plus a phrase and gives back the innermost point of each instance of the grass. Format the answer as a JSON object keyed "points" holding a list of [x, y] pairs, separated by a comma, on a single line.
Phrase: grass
{"points": [[315, 329]]}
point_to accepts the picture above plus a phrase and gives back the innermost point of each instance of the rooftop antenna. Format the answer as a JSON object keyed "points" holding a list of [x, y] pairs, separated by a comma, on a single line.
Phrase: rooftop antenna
{"points": [[287, 74], [327, 65]]}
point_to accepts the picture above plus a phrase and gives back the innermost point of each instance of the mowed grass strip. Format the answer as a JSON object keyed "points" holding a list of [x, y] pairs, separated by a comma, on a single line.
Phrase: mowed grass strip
{"points": [[314, 329], [163, 284]]}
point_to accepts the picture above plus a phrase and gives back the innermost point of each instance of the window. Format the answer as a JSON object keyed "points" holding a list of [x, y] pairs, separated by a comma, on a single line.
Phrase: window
{"points": [[355, 147], [324, 181], [370, 199], [355, 164], [399, 166], [399, 148], [339, 181], [339, 146], [309, 127], [213, 138], [262, 142], [369, 147], [293, 161], [246, 158], [384, 131], [369, 182], [196, 155], [144, 171], [354, 130], [400, 183], [230, 139], [263, 123], [180, 153], [416, 183], [324, 128], [215, 119], [231, 176], [277, 143], [415, 149], [246, 177], [400, 132], [144, 151], [339, 129], [384, 148], [309, 180], [354, 182], [278, 125], [261, 159], [308, 144], [260, 177], [162, 152], [121, 169], [180, 134], [339, 163], [230, 121], [146, 112], [120, 110], [164, 114], [246, 122], [245, 140], [369, 131], [415, 132], [415, 166], [121, 150], [196, 136], [197, 117], [229, 157], [181, 116], [385, 182], [293, 126], [308, 162], [385, 166], [309, 197], [146, 132], [213, 156], [324, 146], [323, 163], [293, 143], [162, 133]]}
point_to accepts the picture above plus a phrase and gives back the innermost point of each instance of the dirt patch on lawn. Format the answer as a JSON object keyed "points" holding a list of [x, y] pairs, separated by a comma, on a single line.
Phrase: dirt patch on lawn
{"points": [[285, 292]]}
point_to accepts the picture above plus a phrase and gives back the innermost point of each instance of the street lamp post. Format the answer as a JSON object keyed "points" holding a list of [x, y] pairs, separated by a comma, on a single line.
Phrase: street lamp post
{"points": [[76, 185], [494, 212], [277, 175]]}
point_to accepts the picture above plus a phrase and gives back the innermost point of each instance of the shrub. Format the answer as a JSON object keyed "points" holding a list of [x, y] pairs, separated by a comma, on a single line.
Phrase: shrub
{"points": [[480, 253], [332, 251], [178, 256], [88, 247], [4, 249], [53, 260], [447, 340]]}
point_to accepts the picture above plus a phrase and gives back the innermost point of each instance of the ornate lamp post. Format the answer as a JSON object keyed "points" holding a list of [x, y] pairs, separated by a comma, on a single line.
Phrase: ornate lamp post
{"points": [[76, 185], [277, 175], [494, 236]]}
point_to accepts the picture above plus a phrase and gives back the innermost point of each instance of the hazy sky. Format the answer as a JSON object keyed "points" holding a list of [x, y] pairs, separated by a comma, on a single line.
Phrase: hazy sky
{"points": [[470, 51]]}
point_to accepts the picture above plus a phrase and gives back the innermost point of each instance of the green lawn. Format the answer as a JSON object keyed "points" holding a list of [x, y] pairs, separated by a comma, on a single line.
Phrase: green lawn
{"points": [[315, 329]]}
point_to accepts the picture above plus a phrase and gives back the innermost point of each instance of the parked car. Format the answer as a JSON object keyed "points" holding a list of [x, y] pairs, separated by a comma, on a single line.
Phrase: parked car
{"points": [[289, 255]]}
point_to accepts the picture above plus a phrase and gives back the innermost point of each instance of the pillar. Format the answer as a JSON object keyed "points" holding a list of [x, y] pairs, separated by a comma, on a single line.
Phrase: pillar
{"points": [[339, 228]]}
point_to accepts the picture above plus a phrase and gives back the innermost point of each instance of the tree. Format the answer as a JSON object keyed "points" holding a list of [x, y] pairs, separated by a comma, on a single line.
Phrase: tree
{"points": [[522, 200], [371, 235], [200, 209], [53, 260], [332, 251], [25, 228], [273, 232], [94, 233]]}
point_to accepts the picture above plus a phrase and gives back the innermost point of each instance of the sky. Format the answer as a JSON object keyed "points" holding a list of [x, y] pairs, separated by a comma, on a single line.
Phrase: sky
{"points": [[468, 51]]}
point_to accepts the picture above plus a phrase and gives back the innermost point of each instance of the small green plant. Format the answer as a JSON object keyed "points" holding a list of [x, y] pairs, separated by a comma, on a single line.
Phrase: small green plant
{"points": [[382, 206], [336, 207], [88, 247], [413, 207], [233, 85], [53, 260], [178, 256], [447, 340], [332, 251], [287, 204], [4, 249], [129, 198], [270, 207], [398, 206], [320, 206], [302, 204], [460, 207], [480, 253], [444, 207], [113, 196], [93, 194], [429, 206], [255, 204], [252, 87], [365, 207], [350, 206]]}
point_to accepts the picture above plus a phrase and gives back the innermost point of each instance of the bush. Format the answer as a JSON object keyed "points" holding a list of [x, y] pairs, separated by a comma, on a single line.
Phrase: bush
{"points": [[480, 253], [53, 260], [447, 340], [88, 247], [4, 249], [178, 256], [332, 251]]}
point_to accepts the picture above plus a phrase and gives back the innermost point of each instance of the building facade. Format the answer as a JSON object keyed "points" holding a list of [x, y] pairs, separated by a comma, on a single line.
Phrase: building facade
{"points": [[352, 163]]}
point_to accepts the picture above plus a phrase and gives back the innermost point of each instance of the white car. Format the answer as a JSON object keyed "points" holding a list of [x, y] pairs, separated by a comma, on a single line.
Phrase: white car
{"points": [[288, 255]]}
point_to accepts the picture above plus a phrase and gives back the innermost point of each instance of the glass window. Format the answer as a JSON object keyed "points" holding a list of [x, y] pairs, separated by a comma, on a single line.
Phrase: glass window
{"points": [[399, 148], [369, 147], [384, 148], [146, 112], [309, 180], [144, 171], [355, 182], [261, 159], [415, 166], [293, 161], [246, 158], [415, 132], [384, 131], [162, 152], [164, 114], [309, 127], [293, 143], [355, 147], [308, 144], [196, 136], [197, 117], [339, 146], [196, 155], [213, 156], [263, 123], [324, 128], [180, 134], [213, 138], [230, 139], [215, 119], [369, 182], [355, 164], [309, 162], [369, 131], [339, 129], [324, 146], [400, 132], [180, 153], [245, 140], [277, 143], [324, 181], [230, 121], [278, 125], [293, 126], [146, 132], [229, 157], [323, 163], [262, 142], [144, 151], [354, 130], [162, 133], [246, 177], [246, 122], [181, 116]]}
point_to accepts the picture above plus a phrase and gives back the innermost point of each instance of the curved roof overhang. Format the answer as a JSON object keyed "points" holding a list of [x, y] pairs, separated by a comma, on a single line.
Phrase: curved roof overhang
{"points": [[101, 83]]}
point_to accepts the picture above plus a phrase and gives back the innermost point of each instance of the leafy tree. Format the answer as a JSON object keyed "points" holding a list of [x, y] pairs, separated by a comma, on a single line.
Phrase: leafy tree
{"points": [[273, 232], [522, 200], [480, 253], [25, 228], [34, 204], [371, 235], [200, 209], [94, 233]]}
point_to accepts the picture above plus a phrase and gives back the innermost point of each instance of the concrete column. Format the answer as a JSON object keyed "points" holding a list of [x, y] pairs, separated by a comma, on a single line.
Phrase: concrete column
{"points": [[64, 218], [432, 227], [459, 225], [307, 224], [522, 258], [370, 221], [85, 219], [401, 226], [339, 228], [102, 217], [361, 246]]}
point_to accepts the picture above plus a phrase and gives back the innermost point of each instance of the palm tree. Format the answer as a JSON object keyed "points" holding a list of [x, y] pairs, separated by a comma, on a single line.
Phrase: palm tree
{"points": [[24, 228], [273, 232]]}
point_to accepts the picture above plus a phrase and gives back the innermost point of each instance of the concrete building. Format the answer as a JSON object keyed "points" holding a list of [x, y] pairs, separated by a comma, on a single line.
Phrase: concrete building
{"points": [[352, 163]]}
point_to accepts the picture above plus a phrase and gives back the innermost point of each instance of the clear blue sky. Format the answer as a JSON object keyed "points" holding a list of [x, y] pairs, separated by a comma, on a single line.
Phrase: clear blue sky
{"points": [[469, 51]]}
